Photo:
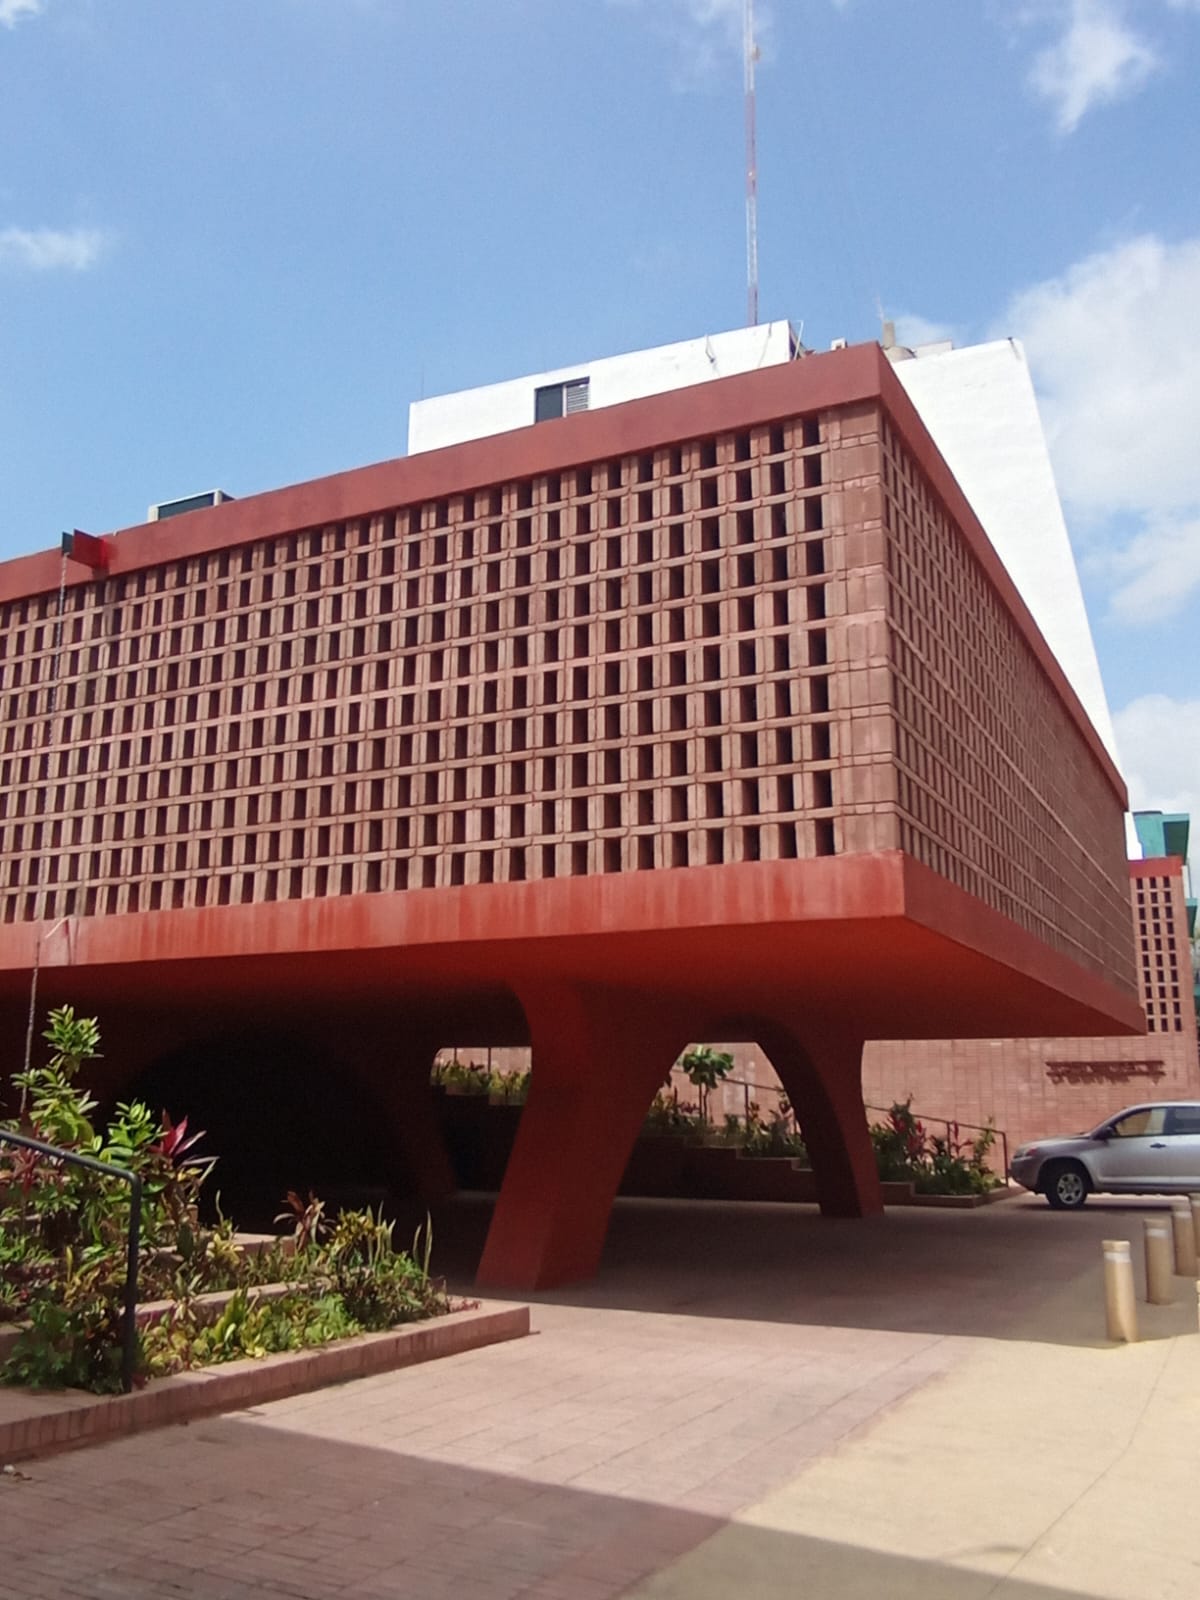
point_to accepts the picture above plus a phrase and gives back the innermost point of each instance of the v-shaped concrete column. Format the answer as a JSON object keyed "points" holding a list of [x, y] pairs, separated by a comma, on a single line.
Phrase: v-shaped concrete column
{"points": [[598, 1057], [820, 1067]]}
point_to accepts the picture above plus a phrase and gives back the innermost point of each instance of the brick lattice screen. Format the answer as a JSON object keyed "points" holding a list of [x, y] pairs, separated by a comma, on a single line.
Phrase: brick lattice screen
{"points": [[996, 788], [768, 644], [1160, 923]]}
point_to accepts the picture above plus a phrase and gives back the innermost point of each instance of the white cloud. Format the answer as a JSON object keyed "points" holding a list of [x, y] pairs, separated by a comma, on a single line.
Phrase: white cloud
{"points": [[1159, 739], [1097, 59], [912, 330], [728, 13], [11, 11], [50, 249], [706, 34], [1118, 371], [723, 15], [1157, 572]]}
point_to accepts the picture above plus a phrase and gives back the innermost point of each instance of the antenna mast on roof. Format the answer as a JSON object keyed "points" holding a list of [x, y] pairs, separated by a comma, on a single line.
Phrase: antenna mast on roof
{"points": [[750, 57]]}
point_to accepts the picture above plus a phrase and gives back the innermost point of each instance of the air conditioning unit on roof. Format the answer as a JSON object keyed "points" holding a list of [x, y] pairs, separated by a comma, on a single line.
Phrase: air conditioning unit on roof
{"points": [[190, 502]]}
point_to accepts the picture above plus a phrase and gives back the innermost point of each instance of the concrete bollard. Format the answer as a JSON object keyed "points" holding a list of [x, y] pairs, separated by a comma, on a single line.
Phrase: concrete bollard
{"points": [[1119, 1305], [1194, 1202], [1185, 1238], [1160, 1261]]}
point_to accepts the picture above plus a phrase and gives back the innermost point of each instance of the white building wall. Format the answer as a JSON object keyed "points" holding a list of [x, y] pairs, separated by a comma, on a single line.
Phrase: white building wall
{"points": [[500, 407], [979, 406]]}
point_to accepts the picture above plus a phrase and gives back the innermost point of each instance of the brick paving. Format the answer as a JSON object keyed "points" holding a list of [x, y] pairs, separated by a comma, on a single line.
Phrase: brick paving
{"points": [[572, 1465]]}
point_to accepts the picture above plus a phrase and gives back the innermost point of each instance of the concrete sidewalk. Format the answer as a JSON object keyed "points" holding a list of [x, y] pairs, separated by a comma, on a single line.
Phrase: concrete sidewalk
{"points": [[749, 1402], [1028, 1471]]}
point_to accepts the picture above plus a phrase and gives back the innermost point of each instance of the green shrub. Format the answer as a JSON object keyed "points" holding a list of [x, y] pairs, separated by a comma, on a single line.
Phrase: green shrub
{"points": [[777, 1136], [378, 1285], [73, 1336], [63, 1240], [906, 1152], [466, 1077], [668, 1114]]}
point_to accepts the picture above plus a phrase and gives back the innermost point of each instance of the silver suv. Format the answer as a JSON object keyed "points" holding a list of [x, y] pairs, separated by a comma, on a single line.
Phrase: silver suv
{"points": [[1149, 1149]]}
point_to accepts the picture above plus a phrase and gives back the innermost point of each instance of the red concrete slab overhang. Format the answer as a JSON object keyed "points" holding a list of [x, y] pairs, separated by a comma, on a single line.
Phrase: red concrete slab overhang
{"points": [[879, 936]]}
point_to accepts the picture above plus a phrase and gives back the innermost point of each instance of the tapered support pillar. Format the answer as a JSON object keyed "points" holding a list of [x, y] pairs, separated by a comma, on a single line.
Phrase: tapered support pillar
{"points": [[821, 1071], [598, 1057]]}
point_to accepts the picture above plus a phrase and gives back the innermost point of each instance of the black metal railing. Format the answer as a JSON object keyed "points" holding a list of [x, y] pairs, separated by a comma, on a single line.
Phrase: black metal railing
{"points": [[751, 1090], [108, 1170], [953, 1122]]}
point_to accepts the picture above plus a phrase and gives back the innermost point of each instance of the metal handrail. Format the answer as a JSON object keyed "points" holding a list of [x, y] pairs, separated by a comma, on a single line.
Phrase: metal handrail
{"points": [[946, 1122], [956, 1122], [73, 1159], [750, 1088]]}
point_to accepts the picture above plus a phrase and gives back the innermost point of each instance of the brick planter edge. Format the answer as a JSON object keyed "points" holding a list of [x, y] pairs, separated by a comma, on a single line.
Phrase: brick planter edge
{"points": [[66, 1419]]}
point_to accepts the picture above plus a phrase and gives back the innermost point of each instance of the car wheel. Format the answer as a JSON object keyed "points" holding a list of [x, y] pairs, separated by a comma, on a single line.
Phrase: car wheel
{"points": [[1067, 1186]]}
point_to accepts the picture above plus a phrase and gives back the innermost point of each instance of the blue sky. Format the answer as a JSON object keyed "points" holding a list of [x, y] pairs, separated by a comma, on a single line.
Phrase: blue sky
{"points": [[237, 237]]}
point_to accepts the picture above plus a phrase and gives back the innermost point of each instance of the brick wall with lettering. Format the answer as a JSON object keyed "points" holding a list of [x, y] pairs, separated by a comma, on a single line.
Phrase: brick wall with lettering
{"points": [[1037, 1087]]}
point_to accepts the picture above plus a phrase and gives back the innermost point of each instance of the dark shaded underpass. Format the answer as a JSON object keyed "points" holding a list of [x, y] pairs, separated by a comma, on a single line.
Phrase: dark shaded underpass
{"points": [[276, 1117]]}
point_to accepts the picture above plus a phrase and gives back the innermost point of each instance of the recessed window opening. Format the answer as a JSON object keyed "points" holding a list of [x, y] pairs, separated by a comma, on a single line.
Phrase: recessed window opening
{"points": [[560, 399]]}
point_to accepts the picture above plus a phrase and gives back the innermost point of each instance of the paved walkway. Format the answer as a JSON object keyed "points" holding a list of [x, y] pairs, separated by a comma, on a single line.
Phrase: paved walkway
{"points": [[750, 1402]]}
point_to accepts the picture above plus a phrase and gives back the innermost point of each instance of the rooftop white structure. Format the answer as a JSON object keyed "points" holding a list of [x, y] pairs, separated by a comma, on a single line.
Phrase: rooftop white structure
{"points": [[979, 406], [588, 385], [977, 403]]}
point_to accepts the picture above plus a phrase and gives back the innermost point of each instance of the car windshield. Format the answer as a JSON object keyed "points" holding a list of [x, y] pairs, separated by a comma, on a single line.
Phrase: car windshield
{"points": [[1140, 1123]]}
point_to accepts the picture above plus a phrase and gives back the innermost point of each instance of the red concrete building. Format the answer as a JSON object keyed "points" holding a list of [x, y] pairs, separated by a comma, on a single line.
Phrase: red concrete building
{"points": [[709, 715], [1035, 1088]]}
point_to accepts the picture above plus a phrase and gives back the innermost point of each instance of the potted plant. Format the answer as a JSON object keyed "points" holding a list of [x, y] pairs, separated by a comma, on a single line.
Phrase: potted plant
{"points": [[706, 1068]]}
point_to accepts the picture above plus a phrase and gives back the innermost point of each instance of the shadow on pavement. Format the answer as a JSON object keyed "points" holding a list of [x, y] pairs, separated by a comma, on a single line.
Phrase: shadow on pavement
{"points": [[235, 1508], [1014, 1270]]}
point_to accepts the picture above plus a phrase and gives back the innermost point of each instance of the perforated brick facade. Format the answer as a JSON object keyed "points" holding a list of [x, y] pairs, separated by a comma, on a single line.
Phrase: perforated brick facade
{"points": [[622, 667], [766, 643], [994, 789], [1160, 920]]}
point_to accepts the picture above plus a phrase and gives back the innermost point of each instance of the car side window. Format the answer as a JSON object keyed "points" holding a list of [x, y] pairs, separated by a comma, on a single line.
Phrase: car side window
{"points": [[1150, 1119], [1183, 1119]]}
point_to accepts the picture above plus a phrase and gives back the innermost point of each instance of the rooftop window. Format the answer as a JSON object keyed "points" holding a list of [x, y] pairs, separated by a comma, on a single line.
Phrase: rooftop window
{"points": [[560, 399]]}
